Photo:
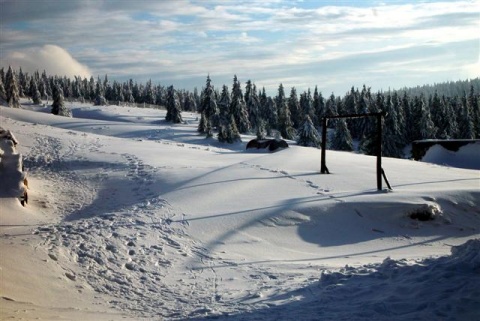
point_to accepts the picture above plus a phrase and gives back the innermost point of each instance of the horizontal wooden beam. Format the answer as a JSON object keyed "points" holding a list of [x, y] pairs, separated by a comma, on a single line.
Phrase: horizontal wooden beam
{"points": [[382, 113]]}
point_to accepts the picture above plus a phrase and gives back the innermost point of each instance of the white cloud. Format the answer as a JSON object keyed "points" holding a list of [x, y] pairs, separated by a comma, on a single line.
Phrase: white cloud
{"points": [[51, 58], [294, 41]]}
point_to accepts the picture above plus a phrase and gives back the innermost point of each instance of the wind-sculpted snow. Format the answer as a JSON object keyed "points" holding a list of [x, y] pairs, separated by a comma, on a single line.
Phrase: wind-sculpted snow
{"points": [[147, 219]]}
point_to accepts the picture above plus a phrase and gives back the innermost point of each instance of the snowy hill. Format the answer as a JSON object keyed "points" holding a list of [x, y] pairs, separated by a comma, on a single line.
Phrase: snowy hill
{"points": [[131, 217]]}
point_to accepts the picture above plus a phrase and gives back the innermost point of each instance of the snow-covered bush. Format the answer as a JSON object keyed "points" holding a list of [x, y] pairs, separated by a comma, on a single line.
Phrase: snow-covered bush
{"points": [[11, 168]]}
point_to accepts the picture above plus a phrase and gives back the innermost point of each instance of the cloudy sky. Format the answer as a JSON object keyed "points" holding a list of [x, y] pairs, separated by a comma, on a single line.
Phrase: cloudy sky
{"points": [[330, 44]]}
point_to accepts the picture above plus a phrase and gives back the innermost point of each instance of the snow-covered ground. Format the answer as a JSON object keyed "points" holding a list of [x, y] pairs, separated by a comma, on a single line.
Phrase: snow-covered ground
{"points": [[133, 218]]}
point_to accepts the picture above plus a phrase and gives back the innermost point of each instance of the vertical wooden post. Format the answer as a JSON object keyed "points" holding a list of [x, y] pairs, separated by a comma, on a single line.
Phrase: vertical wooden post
{"points": [[323, 166], [379, 151]]}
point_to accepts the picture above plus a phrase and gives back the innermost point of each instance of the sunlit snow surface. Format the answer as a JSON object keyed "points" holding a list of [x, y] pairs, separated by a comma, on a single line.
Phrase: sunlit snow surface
{"points": [[131, 217]]}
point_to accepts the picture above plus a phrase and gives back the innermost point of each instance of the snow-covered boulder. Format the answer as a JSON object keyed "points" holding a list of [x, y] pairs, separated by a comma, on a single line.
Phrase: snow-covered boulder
{"points": [[270, 144]]}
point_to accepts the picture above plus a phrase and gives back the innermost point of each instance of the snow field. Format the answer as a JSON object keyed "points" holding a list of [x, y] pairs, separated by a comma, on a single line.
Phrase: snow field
{"points": [[151, 221]]}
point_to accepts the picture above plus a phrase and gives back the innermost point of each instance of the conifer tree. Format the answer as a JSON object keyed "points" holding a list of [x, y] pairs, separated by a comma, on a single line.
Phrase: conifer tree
{"points": [[285, 124], [350, 108], [227, 129], [331, 106], [307, 134], [58, 105], [190, 103], [238, 108], [473, 104], [425, 124], [271, 116], [449, 123], [13, 96], [341, 140], [3, 93], [318, 106], [392, 143], [22, 83], [253, 106], [294, 107], [208, 109], [34, 92], [465, 119], [306, 106], [174, 114]]}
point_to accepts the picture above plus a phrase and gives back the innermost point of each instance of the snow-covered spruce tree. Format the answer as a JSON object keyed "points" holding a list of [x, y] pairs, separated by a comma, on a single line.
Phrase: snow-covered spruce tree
{"points": [[392, 143], [473, 103], [190, 103], [318, 105], [307, 134], [34, 92], [58, 105], [306, 106], [253, 106], [238, 108], [285, 124], [208, 109], [100, 99], [174, 113], [294, 107], [227, 129], [270, 116], [3, 94], [449, 124], [426, 125], [465, 120], [13, 95], [341, 138]]}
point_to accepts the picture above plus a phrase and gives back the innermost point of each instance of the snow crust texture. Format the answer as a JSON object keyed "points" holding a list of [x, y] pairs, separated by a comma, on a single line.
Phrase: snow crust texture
{"points": [[156, 223]]}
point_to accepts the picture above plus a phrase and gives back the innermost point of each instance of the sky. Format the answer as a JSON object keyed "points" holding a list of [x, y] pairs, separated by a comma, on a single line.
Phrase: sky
{"points": [[333, 45]]}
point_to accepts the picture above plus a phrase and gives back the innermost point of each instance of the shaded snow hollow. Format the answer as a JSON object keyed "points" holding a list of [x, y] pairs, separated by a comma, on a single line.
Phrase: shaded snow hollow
{"points": [[133, 218]]}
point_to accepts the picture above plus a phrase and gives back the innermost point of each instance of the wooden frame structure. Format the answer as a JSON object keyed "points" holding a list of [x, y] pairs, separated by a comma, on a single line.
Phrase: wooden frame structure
{"points": [[380, 171]]}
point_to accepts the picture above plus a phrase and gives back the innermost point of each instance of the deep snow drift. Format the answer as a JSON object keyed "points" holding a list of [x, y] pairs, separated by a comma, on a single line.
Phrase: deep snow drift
{"points": [[130, 217]]}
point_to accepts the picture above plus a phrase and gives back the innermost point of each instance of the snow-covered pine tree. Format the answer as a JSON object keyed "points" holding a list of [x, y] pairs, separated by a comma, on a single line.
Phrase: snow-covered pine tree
{"points": [[341, 140], [253, 106], [351, 108], [190, 103], [208, 109], [465, 119], [285, 124], [238, 108], [34, 92], [294, 107], [318, 106], [270, 116], [392, 143], [449, 124], [306, 106], [473, 102], [3, 93], [174, 113], [227, 129], [58, 105], [22, 83], [13, 96], [307, 134], [331, 106], [425, 124]]}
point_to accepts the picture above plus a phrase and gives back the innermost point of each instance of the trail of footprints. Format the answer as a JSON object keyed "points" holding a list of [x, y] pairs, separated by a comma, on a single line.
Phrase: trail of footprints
{"points": [[308, 183], [128, 254]]}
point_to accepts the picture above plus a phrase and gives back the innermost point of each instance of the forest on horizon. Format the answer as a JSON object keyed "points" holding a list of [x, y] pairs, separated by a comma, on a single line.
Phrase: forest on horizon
{"points": [[448, 110]]}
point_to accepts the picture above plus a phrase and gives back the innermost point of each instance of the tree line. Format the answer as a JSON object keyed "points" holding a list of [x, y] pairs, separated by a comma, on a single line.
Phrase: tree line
{"points": [[442, 111]]}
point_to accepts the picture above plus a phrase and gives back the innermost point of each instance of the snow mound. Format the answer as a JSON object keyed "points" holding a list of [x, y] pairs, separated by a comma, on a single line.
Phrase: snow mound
{"points": [[396, 289], [466, 157]]}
